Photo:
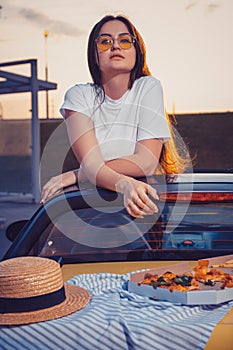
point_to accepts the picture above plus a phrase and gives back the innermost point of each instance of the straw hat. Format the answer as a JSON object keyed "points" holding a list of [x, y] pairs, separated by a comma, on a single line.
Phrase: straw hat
{"points": [[32, 290]]}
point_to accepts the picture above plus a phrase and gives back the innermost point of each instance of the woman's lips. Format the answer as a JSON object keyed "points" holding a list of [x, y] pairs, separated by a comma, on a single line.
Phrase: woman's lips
{"points": [[116, 56]]}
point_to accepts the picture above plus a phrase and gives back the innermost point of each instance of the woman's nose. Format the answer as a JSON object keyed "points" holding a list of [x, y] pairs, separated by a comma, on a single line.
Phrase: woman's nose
{"points": [[115, 44]]}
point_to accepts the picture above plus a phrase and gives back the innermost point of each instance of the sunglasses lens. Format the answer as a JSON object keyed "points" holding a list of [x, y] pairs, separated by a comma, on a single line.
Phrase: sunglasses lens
{"points": [[104, 43], [125, 42]]}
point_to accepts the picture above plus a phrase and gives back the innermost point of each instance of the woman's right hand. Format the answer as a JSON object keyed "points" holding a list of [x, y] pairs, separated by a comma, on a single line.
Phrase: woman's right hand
{"points": [[56, 183], [136, 196]]}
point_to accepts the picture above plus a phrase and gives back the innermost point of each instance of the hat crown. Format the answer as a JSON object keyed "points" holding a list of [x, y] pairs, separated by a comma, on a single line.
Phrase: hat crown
{"points": [[25, 277], [32, 290]]}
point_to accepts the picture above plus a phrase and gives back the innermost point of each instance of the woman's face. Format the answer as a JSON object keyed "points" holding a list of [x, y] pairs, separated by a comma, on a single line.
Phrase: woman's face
{"points": [[115, 60]]}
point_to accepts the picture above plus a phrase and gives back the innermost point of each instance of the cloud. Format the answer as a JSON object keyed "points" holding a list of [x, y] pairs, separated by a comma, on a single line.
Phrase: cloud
{"points": [[55, 27], [5, 40], [210, 5], [190, 5]]}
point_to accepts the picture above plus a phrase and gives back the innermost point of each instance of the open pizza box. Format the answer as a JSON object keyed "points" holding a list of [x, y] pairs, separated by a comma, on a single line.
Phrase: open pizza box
{"points": [[207, 295]]}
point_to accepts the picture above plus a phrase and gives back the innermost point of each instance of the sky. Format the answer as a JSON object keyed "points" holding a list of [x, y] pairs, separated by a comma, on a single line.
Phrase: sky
{"points": [[189, 48]]}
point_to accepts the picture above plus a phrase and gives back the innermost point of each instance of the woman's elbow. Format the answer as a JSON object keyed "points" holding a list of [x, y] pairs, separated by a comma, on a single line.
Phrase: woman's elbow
{"points": [[149, 169]]}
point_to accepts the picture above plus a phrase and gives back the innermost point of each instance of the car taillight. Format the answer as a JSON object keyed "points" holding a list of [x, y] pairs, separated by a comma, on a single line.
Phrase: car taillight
{"points": [[198, 197]]}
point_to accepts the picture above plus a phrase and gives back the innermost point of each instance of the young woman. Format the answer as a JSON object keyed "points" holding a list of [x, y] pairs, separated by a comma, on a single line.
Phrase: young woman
{"points": [[117, 126]]}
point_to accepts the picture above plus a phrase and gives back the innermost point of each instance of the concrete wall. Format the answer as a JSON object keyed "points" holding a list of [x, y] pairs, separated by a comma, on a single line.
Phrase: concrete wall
{"points": [[15, 137], [209, 136]]}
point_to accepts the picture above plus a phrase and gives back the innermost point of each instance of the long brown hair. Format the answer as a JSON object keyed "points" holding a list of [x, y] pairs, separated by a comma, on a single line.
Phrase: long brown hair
{"points": [[174, 157]]}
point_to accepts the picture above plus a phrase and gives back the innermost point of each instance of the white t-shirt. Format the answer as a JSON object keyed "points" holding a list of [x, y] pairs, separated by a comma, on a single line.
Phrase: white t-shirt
{"points": [[138, 115]]}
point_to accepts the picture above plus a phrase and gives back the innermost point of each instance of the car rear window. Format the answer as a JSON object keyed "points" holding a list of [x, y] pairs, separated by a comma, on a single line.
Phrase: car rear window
{"points": [[178, 232]]}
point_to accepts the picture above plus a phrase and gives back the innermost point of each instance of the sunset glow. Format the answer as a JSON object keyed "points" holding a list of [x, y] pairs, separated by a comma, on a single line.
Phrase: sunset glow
{"points": [[189, 48]]}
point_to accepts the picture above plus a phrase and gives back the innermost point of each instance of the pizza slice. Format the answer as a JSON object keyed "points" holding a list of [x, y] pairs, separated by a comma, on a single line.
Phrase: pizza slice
{"points": [[204, 274], [226, 264]]}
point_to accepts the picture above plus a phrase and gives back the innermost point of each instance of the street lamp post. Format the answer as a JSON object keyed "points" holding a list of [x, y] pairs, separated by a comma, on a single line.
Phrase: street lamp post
{"points": [[46, 33]]}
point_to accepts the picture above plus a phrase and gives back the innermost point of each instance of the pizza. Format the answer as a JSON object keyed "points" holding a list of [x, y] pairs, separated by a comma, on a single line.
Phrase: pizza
{"points": [[226, 264], [189, 281], [210, 275], [169, 280]]}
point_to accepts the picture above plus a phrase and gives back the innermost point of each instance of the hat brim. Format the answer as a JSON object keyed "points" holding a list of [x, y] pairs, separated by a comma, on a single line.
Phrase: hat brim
{"points": [[76, 299]]}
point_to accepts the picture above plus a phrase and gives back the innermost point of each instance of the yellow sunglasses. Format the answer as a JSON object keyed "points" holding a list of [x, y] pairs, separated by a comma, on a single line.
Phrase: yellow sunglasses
{"points": [[125, 41]]}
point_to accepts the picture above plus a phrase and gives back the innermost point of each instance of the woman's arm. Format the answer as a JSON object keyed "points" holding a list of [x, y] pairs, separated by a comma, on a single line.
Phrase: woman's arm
{"points": [[142, 163], [85, 147]]}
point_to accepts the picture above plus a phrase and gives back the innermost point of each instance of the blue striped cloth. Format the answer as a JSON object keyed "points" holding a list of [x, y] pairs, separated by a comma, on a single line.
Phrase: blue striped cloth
{"points": [[116, 319]]}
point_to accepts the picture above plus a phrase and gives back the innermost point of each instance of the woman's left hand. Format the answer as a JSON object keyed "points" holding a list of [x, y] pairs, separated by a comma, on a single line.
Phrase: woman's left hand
{"points": [[136, 197]]}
